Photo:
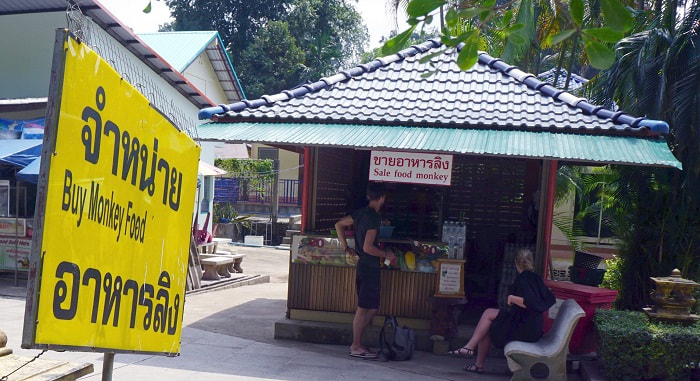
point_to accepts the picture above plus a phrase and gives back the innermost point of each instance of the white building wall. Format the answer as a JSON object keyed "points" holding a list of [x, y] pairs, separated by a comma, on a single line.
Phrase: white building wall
{"points": [[27, 49], [201, 74]]}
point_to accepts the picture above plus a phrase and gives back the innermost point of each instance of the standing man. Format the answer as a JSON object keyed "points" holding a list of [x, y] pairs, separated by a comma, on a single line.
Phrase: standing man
{"points": [[366, 223]]}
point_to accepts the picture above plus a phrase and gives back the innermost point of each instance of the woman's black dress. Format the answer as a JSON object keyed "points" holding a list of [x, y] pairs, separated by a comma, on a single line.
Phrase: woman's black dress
{"points": [[523, 324]]}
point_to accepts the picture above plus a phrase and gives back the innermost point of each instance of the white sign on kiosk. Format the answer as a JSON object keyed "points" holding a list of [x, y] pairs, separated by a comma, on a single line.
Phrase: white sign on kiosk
{"points": [[411, 167]]}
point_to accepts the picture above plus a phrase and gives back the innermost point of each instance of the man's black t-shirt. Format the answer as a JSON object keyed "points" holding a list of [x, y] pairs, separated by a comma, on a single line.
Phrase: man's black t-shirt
{"points": [[366, 219]]}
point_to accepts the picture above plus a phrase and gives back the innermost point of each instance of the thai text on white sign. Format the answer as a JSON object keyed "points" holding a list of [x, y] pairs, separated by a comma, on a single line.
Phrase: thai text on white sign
{"points": [[411, 167]]}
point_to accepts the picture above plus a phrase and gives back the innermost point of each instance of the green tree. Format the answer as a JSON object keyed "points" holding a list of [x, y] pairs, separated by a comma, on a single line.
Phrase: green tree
{"points": [[330, 32], [273, 61], [237, 21], [657, 74], [416, 38], [520, 25]]}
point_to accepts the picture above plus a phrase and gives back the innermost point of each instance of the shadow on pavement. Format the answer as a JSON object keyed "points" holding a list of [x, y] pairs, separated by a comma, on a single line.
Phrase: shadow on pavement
{"points": [[252, 320]]}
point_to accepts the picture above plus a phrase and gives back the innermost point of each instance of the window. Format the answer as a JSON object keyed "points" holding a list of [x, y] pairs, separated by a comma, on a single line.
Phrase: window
{"points": [[268, 153], [207, 194]]}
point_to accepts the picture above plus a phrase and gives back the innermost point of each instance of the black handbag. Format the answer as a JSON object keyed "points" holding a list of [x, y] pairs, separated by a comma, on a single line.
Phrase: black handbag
{"points": [[501, 327]]}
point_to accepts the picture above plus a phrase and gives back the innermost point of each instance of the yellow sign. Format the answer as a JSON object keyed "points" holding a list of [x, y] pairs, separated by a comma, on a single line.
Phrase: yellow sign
{"points": [[116, 231]]}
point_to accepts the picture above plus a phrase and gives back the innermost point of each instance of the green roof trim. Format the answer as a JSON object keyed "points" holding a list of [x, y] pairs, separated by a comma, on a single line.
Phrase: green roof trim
{"points": [[505, 143]]}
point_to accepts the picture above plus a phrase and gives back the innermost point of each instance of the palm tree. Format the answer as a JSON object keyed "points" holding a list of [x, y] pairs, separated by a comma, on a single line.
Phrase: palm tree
{"points": [[657, 74]]}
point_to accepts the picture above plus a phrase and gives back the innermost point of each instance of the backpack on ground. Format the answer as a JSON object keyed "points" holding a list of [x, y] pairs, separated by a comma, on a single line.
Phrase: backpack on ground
{"points": [[397, 343]]}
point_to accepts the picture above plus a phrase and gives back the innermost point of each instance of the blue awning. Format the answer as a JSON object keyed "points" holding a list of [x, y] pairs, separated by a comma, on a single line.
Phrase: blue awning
{"points": [[19, 152], [30, 173]]}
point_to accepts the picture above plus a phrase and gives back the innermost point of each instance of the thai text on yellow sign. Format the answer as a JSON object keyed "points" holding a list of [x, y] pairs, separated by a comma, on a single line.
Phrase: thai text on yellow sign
{"points": [[119, 202]]}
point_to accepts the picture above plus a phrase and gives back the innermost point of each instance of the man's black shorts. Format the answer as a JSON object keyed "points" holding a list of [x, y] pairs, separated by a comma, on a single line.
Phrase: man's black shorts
{"points": [[367, 283]]}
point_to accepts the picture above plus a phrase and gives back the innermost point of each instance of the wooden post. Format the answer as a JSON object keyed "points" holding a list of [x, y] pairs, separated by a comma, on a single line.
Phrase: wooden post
{"points": [[194, 268], [548, 183], [47, 149], [275, 198], [549, 216], [305, 194]]}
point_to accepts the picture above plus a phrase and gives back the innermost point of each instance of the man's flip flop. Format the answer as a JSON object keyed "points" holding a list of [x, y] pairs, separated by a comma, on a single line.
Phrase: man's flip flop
{"points": [[365, 355]]}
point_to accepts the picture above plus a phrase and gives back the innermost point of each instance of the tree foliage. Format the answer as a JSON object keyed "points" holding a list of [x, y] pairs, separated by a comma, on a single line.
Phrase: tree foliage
{"points": [[278, 44], [237, 21], [247, 168], [657, 74], [330, 32], [273, 62], [252, 174], [521, 27], [416, 38]]}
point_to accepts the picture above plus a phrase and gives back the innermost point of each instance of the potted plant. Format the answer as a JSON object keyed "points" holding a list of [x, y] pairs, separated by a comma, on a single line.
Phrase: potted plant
{"points": [[230, 223]]}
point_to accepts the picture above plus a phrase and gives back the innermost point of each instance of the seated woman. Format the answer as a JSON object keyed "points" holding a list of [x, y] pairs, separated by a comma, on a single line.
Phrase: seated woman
{"points": [[529, 298]]}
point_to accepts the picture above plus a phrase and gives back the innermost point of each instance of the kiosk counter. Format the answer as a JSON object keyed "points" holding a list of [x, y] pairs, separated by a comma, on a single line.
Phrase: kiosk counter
{"points": [[322, 279]]}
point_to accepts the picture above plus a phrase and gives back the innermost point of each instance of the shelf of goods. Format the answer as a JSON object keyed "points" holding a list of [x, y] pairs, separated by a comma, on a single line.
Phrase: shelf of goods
{"points": [[322, 277]]}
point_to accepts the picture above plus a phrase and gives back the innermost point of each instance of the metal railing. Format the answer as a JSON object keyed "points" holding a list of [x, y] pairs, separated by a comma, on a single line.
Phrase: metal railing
{"points": [[290, 192], [240, 190]]}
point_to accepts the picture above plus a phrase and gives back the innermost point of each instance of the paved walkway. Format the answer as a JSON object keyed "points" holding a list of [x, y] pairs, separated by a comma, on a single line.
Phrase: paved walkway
{"points": [[228, 334]]}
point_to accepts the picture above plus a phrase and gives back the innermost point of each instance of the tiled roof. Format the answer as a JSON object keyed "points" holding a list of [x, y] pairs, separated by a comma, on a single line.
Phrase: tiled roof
{"points": [[394, 91]]}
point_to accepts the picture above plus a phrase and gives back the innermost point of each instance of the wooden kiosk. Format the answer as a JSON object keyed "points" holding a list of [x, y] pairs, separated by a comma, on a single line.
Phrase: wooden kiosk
{"points": [[322, 278], [505, 130]]}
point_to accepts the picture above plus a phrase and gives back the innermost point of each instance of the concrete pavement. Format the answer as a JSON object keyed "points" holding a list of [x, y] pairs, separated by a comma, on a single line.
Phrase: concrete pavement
{"points": [[228, 334]]}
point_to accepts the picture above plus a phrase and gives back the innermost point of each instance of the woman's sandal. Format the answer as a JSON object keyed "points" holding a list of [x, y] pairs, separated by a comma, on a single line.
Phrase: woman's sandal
{"points": [[463, 352], [474, 369]]}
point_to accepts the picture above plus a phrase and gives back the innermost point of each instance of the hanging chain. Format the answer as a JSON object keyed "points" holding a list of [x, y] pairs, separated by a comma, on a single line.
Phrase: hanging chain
{"points": [[7, 376]]}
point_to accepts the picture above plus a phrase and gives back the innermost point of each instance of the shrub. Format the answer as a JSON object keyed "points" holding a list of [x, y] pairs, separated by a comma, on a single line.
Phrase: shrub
{"points": [[612, 277], [633, 348]]}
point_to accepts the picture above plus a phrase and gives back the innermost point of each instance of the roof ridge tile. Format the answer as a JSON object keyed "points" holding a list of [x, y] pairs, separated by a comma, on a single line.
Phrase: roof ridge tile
{"points": [[604, 113], [277, 97], [388, 59], [548, 90], [532, 82], [346, 74], [616, 115], [517, 74], [557, 94], [569, 98], [588, 107], [365, 67]]}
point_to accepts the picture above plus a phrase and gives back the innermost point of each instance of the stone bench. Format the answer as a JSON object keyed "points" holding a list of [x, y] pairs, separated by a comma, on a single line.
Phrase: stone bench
{"points": [[215, 266], [546, 358], [234, 267]]}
